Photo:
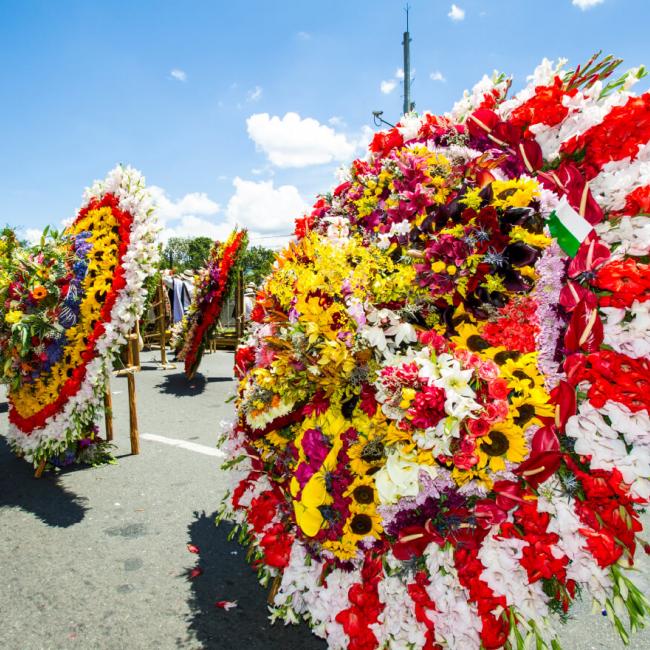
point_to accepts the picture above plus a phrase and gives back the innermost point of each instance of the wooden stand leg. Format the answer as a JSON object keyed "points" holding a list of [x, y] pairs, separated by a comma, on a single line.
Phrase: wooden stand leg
{"points": [[40, 469], [161, 329], [239, 308], [108, 408], [133, 413], [136, 344]]}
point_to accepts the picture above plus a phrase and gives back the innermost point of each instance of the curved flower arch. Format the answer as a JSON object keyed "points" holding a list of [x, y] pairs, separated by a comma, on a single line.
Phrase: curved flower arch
{"points": [[213, 287], [443, 430], [96, 272]]}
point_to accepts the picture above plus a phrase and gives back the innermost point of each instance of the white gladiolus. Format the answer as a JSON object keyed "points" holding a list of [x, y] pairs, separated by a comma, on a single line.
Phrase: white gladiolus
{"points": [[606, 446]]}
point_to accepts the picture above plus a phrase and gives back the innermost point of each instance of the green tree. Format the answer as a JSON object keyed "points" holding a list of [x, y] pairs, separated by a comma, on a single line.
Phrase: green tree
{"points": [[257, 263], [182, 253]]}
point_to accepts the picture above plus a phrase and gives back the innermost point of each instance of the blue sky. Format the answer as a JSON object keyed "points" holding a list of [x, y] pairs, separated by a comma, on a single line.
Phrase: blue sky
{"points": [[195, 94]]}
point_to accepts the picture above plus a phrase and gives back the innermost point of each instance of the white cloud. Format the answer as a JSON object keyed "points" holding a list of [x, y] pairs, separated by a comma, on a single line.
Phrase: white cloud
{"points": [[263, 208], [255, 94], [399, 73], [192, 226], [179, 75], [586, 4], [336, 120], [303, 36], [190, 205], [456, 13], [437, 76], [387, 87], [292, 141], [33, 235]]}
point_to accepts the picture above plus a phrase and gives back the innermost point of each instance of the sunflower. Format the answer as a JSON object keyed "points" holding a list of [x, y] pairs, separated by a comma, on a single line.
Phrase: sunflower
{"points": [[362, 494], [361, 525], [468, 337], [505, 442], [528, 408], [522, 373], [367, 455]]}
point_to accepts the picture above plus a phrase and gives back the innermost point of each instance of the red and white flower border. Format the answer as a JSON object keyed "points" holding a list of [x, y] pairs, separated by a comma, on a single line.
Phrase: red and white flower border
{"points": [[139, 262]]}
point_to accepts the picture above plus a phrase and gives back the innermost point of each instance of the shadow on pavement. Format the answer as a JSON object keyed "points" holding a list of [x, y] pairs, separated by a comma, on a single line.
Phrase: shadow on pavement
{"points": [[227, 576], [178, 385], [44, 497]]}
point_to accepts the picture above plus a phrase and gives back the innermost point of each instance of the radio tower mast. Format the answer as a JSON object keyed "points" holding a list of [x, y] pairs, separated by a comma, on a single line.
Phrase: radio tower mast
{"points": [[406, 43]]}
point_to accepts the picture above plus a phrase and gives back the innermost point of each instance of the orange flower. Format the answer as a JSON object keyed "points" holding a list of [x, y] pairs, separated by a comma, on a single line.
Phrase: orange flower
{"points": [[39, 292]]}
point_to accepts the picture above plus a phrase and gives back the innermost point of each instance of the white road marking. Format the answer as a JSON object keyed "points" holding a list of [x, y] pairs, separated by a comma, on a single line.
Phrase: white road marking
{"points": [[184, 444]]}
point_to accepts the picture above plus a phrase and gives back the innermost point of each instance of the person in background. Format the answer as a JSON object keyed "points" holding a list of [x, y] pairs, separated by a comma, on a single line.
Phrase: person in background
{"points": [[182, 289], [249, 300]]}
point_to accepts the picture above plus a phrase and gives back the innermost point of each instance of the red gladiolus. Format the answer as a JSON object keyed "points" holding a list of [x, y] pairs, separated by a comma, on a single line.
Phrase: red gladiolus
{"points": [[385, 141], [616, 137], [637, 202], [276, 544], [628, 280], [544, 107]]}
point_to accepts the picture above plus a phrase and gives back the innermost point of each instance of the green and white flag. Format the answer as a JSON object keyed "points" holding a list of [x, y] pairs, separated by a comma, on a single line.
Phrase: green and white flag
{"points": [[568, 227]]}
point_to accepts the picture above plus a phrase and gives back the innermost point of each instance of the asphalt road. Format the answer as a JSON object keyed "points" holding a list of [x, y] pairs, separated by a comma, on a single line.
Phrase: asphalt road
{"points": [[98, 559]]}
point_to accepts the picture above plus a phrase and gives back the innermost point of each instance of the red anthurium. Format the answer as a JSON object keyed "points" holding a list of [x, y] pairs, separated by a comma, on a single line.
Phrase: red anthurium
{"points": [[539, 467], [573, 293], [505, 132], [531, 155], [564, 398], [412, 541], [488, 513], [585, 331], [592, 254], [482, 121], [545, 439], [509, 494]]}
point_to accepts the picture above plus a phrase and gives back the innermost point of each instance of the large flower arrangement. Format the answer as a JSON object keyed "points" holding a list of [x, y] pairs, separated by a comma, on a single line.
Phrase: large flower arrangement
{"points": [[443, 433], [214, 284], [66, 305]]}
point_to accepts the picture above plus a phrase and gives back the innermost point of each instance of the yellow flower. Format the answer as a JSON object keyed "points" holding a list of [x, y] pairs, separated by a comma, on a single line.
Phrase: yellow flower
{"points": [[469, 337], [505, 442], [532, 239], [516, 193], [12, 317]]}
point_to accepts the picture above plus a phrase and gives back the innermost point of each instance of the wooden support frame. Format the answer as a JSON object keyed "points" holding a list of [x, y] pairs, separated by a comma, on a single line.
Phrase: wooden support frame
{"points": [[164, 365], [132, 353], [229, 341]]}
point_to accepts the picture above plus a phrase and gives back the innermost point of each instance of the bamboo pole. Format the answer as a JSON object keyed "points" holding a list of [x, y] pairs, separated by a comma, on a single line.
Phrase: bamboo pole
{"points": [[136, 345], [40, 469], [239, 308], [108, 407], [161, 323], [133, 413], [161, 328]]}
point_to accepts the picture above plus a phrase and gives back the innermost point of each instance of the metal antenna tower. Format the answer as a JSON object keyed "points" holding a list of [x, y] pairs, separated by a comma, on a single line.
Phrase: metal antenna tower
{"points": [[406, 43]]}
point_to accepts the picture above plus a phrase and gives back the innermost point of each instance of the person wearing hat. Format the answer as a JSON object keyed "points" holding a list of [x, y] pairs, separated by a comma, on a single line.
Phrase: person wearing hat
{"points": [[249, 300]]}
